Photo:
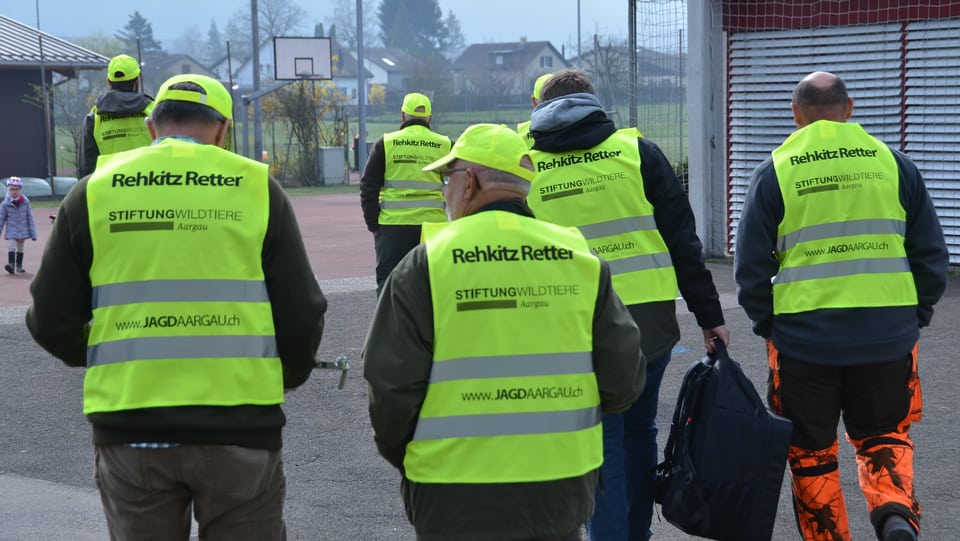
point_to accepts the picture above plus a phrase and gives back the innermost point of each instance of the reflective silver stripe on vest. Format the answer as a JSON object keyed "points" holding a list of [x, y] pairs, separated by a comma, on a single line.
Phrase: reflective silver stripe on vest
{"points": [[511, 366], [841, 229], [618, 227], [413, 185], [413, 204], [639, 263], [506, 424], [180, 291], [181, 347], [875, 265]]}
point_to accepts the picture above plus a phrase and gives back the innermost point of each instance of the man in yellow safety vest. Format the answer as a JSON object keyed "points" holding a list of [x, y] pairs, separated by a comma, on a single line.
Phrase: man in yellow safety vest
{"points": [[495, 346], [839, 260], [396, 194], [176, 274], [116, 121], [618, 188]]}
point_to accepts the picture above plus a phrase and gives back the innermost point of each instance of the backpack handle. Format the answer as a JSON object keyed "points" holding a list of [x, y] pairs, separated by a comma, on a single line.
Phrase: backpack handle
{"points": [[719, 352]]}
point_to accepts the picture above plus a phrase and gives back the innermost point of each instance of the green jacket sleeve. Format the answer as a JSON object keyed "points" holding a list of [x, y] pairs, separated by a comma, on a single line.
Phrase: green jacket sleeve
{"points": [[398, 354]]}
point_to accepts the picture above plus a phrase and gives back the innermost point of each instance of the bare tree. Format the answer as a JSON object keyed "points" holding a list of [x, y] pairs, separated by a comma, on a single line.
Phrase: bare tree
{"points": [[190, 43], [345, 19], [71, 99], [315, 114], [485, 83], [274, 18]]}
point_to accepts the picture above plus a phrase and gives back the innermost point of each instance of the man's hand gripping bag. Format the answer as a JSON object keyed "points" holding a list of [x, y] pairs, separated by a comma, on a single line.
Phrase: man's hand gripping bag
{"points": [[725, 456]]}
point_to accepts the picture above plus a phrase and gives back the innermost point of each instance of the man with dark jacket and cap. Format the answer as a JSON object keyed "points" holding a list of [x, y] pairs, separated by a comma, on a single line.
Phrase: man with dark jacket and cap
{"points": [[618, 188], [117, 120], [176, 275], [396, 194]]}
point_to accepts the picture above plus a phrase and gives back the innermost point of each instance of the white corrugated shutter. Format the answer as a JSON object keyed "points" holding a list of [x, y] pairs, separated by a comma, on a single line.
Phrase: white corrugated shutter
{"points": [[933, 117], [766, 66]]}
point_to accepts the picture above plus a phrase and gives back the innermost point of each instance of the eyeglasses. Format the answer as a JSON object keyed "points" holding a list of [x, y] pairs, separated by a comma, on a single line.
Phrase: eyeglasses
{"points": [[447, 173]]}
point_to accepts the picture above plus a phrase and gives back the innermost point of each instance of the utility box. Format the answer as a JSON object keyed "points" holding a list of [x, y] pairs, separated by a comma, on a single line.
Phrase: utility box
{"points": [[333, 166]]}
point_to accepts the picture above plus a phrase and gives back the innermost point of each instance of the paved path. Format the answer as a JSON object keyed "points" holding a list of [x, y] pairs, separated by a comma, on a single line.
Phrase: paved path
{"points": [[333, 232], [338, 487]]}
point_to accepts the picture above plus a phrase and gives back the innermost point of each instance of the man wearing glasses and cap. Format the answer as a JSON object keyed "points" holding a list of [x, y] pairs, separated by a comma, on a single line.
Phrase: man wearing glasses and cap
{"points": [[116, 121], [495, 347], [177, 276], [396, 194]]}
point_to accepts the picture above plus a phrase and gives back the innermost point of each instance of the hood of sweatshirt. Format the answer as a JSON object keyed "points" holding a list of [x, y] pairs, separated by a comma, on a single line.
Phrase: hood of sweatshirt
{"points": [[570, 122], [123, 103]]}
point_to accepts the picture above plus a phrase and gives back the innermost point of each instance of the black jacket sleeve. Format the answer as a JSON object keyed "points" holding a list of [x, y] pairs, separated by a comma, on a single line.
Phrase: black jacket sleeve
{"points": [[924, 241], [87, 152], [675, 221], [755, 262], [296, 300], [371, 182]]}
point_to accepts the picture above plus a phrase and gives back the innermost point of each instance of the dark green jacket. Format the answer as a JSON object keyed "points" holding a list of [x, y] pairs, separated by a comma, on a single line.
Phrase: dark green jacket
{"points": [[397, 358]]}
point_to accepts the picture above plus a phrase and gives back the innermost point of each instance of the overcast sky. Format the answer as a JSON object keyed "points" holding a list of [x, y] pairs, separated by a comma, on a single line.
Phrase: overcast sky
{"points": [[481, 20]]}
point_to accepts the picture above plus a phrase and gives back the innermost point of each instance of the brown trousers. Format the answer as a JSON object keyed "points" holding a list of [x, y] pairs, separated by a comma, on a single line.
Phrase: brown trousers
{"points": [[236, 493]]}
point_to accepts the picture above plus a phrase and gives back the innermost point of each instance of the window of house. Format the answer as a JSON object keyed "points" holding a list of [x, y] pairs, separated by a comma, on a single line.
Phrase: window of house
{"points": [[498, 59], [546, 61]]}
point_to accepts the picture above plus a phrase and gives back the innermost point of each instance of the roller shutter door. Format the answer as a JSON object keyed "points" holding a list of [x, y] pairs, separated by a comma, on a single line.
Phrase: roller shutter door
{"points": [[905, 93]]}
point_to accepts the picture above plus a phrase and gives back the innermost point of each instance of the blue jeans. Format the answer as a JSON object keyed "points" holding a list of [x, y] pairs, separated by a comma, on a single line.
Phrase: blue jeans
{"points": [[624, 498]]}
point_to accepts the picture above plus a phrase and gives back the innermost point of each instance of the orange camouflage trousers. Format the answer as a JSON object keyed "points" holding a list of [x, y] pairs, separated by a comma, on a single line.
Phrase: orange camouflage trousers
{"points": [[878, 403]]}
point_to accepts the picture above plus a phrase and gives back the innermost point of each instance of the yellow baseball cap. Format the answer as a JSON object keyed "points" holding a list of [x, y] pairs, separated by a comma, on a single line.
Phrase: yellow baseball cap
{"points": [[538, 85], [216, 96], [122, 68], [490, 145], [415, 104]]}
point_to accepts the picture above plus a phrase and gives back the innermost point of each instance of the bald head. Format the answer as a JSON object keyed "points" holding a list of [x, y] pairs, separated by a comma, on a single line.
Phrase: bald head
{"points": [[821, 96]]}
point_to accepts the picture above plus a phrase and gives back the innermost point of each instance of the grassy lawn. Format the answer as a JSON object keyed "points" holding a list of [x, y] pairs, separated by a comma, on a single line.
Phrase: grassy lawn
{"points": [[664, 124]]}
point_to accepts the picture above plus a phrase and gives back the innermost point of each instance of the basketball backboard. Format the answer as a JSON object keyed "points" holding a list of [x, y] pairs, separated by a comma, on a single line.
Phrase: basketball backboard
{"points": [[301, 58]]}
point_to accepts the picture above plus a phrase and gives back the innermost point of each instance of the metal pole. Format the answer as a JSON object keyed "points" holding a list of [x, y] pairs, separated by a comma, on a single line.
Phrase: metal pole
{"points": [[257, 136], [632, 86], [233, 125], [140, 65], [361, 95], [579, 53], [682, 94], [46, 103]]}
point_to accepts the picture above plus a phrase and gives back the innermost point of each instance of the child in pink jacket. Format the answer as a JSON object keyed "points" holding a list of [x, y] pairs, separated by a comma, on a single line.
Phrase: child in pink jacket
{"points": [[17, 215]]}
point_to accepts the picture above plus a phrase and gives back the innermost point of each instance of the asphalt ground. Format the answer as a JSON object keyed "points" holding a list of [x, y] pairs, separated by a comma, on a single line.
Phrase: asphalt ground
{"points": [[338, 488]]}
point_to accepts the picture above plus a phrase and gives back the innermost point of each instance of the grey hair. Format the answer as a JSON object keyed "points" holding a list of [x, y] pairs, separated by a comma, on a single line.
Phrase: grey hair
{"points": [[497, 176]]}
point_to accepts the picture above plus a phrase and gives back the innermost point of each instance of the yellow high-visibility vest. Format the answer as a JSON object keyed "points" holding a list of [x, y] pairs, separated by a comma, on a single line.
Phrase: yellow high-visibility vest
{"points": [[523, 129], [181, 315], [411, 196], [512, 395], [600, 191], [841, 241], [116, 134]]}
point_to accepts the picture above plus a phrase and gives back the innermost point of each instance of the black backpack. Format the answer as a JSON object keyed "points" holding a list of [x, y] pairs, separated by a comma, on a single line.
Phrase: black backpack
{"points": [[725, 456]]}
